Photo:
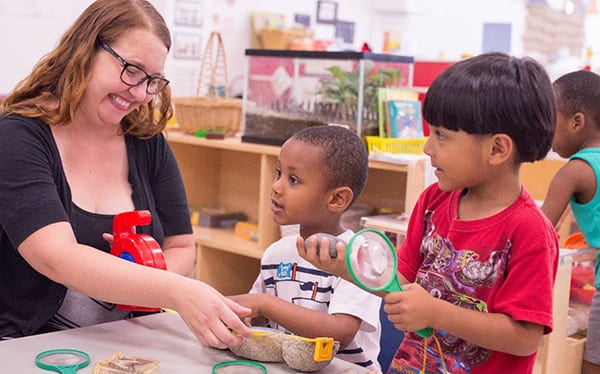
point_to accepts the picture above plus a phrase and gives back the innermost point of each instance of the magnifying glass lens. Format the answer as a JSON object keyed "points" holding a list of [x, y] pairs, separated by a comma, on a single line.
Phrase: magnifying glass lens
{"points": [[62, 359], [239, 367], [371, 260], [66, 361]]}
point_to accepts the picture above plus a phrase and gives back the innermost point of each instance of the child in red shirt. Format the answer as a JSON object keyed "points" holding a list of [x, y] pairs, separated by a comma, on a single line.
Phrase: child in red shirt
{"points": [[479, 261]]}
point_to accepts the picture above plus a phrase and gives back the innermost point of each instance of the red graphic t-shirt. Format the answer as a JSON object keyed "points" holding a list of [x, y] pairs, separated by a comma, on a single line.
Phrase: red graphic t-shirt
{"points": [[505, 263]]}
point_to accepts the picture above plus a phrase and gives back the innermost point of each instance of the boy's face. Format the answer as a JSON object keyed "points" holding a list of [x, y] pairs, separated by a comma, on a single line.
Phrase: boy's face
{"points": [[565, 141], [457, 157], [298, 193]]}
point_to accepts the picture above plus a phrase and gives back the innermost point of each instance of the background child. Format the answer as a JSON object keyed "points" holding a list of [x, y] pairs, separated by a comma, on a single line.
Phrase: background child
{"points": [[577, 138], [320, 173], [480, 258]]}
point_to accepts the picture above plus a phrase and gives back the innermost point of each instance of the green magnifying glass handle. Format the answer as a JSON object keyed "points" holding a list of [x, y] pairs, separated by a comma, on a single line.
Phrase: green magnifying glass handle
{"points": [[68, 370], [395, 286]]}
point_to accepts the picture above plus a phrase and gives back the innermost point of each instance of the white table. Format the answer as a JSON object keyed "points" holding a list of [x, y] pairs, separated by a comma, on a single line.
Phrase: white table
{"points": [[163, 337]]}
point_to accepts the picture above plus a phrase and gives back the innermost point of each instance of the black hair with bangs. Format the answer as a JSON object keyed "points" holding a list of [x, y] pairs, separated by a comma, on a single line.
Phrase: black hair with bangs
{"points": [[495, 93]]}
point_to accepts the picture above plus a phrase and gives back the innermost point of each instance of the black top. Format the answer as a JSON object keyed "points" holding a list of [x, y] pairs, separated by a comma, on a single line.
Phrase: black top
{"points": [[34, 193]]}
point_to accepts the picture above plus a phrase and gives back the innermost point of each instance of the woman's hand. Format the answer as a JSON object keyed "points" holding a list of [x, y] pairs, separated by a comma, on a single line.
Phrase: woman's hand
{"points": [[211, 316]]}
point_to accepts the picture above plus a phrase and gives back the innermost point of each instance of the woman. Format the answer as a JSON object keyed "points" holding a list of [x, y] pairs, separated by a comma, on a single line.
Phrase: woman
{"points": [[80, 141]]}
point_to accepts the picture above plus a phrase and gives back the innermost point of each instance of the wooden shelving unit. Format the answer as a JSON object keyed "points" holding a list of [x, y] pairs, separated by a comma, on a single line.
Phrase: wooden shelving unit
{"points": [[234, 175]]}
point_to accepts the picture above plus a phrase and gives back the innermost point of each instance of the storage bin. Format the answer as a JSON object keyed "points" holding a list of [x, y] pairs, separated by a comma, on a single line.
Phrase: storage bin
{"points": [[281, 38], [376, 144]]}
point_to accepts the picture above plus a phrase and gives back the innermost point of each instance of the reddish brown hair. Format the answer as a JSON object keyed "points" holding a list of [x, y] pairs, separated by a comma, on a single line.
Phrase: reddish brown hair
{"points": [[55, 87]]}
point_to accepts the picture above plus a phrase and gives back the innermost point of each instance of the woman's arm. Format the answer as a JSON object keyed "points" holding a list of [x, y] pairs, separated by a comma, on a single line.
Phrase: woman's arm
{"points": [[54, 252], [180, 253]]}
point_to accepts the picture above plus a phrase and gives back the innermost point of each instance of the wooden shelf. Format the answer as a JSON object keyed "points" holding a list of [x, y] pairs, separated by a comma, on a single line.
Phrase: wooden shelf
{"points": [[225, 240], [237, 176], [234, 144]]}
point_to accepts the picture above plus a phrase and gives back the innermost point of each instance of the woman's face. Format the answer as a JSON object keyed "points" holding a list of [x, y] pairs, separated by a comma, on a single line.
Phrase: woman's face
{"points": [[107, 99]]}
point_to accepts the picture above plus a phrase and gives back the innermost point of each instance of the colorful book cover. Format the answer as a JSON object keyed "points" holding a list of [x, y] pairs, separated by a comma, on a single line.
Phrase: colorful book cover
{"points": [[384, 94], [405, 119]]}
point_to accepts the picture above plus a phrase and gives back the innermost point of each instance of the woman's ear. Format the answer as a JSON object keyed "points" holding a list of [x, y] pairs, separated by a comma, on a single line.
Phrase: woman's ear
{"points": [[340, 199], [502, 147]]}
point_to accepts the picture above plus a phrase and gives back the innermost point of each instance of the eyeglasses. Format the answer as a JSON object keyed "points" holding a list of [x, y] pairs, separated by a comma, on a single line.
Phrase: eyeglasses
{"points": [[133, 75]]}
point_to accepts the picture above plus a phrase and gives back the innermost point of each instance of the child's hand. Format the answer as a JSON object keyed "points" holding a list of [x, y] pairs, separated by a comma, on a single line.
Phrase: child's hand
{"points": [[322, 259], [252, 301], [410, 310], [108, 237]]}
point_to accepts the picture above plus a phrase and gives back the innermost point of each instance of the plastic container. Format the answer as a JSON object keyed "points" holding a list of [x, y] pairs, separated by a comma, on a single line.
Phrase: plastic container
{"points": [[376, 144], [286, 91]]}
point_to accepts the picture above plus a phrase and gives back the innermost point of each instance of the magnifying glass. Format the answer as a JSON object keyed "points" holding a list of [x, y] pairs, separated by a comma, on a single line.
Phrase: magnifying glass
{"points": [[65, 361], [372, 263], [239, 367]]}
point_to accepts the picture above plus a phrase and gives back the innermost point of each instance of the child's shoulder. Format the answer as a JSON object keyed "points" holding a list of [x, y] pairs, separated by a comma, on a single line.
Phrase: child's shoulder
{"points": [[587, 153], [284, 247]]}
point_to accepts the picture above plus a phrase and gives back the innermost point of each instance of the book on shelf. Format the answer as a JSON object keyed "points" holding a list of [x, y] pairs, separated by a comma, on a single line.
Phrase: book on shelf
{"points": [[405, 119], [385, 94]]}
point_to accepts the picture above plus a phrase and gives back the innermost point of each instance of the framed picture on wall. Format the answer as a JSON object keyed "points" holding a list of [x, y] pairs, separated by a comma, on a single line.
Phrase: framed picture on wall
{"points": [[326, 11], [187, 46], [189, 13], [302, 19], [345, 31]]}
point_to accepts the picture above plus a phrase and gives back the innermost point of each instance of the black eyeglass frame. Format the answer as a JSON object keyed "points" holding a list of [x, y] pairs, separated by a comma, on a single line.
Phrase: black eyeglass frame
{"points": [[148, 78]]}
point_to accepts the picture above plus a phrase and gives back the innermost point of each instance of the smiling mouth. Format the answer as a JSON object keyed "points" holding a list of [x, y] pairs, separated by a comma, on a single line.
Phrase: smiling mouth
{"points": [[121, 102]]}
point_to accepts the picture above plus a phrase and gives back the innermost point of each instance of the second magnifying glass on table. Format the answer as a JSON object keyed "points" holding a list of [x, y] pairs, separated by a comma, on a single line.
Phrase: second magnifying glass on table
{"points": [[372, 263]]}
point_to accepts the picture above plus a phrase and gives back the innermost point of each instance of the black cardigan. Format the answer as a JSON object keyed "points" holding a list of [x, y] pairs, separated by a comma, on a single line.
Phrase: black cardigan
{"points": [[34, 193]]}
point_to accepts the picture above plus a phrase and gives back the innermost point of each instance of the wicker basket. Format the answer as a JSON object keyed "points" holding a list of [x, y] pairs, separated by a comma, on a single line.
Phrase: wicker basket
{"points": [[208, 113], [212, 108]]}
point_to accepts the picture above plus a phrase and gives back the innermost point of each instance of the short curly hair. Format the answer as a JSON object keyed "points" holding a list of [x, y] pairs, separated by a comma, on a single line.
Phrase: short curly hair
{"points": [[579, 91], [345, 156]]}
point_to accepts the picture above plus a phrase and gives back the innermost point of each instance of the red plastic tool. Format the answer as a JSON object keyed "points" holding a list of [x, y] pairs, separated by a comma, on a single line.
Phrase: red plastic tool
{"points": [[139, 248]]}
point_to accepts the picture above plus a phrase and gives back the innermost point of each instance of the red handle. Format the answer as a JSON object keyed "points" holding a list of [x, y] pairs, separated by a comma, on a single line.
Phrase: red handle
{"points": [[139, 248]]}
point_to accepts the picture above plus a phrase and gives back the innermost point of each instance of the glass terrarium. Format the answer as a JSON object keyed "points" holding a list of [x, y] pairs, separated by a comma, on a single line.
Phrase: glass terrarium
{"points": [[286, 91]]}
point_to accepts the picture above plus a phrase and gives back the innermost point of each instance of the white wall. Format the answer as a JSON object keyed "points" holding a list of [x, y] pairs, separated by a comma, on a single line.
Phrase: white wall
{"points": [[232, 19], [433, 29], [30, 28], [430, 29]]}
